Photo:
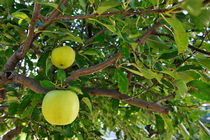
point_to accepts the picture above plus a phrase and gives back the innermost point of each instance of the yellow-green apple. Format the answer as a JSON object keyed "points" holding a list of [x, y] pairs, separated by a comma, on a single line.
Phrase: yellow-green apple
{"points": [[60, 107], [63, 57]]}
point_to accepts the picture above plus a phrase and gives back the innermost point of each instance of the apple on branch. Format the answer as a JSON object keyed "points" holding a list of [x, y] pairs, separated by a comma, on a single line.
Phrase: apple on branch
{"points": [[60, 107], [63, 57]]}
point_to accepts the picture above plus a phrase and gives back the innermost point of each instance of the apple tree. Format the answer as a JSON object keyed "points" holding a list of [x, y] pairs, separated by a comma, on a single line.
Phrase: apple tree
{"points": [[141, 69]]}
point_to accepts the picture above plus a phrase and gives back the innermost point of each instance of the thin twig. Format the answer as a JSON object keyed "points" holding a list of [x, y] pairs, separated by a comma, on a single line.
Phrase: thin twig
{"points": [[166, 98], [106, 14]]}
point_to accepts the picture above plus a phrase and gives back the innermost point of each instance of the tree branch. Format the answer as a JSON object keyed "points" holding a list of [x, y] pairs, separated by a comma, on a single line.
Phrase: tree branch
{"points": [[198, 50], [21, 52], [149, 33], [166, 98], [106, 14], [12, 133], [93, 69], [9, 77], [36, 87], [125, 98]]}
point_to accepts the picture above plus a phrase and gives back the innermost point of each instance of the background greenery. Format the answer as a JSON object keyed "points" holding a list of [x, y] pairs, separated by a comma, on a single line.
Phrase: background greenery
{"points": [[163, 65]]}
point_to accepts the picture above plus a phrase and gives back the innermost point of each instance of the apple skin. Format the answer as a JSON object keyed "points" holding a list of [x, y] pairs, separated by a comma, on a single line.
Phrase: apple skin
{"points": [[60, 107], [63, 57]]}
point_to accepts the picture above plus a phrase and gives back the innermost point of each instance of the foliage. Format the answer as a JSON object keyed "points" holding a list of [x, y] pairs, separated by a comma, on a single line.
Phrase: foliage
{"points": [[160, 66]]}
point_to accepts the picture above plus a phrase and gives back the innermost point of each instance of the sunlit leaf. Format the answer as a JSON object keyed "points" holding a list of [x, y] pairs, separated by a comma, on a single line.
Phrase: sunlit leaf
{"points": [[180, 35]]}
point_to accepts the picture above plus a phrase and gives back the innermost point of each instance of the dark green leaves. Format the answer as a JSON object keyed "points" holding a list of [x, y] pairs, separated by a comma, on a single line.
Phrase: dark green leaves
{"points": [[200, 89], [121, 80]]}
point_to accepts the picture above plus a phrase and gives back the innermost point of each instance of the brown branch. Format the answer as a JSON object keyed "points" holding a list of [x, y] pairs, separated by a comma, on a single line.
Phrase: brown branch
{"points": [[12, 133], [36, 87], [198, 50], [53, 14], [135, 102], [106, 14], [93, 69], [21, 52], [166, 98], [149, 33], [9, 77]]}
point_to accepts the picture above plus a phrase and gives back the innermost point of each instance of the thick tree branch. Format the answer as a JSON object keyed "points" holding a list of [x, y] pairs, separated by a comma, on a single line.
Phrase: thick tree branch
{"points": [[12, 133], [36, 87], [106, 14], [135, 102], [93, 69], [9, 77], [21, 52]]}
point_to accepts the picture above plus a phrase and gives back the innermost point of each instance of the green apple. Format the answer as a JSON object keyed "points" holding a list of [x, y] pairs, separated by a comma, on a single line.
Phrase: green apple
{"points": [[60, 107], [63, 57]]}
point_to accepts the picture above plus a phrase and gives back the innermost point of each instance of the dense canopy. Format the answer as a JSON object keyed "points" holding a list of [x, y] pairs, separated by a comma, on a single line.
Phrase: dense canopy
{"points": [[141, 69]]}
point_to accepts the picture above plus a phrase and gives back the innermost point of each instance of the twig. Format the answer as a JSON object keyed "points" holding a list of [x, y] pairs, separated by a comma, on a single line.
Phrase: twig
{"points": [[135, 102], [149, 33], [199, 50], [166, 98], [189, 46], [93, 69], [12, 133], [105, 14]]}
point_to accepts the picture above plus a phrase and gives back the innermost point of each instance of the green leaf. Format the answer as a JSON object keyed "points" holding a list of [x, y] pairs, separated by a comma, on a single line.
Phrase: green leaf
{"points": [[71, 37], [91, 52], [205, 62], [47, 84], [180, 35], [76, 89], [48, 65], [86, 100], [181, 87], [12, 109], [202, 20], [83, 4], [169, 55], [61, 75], [189, 67], [106, 5], [159, 123], [21, 15], [193, 6], [156, 43], [199, 89], [122, 81], [125, 51], [54, 5]]}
